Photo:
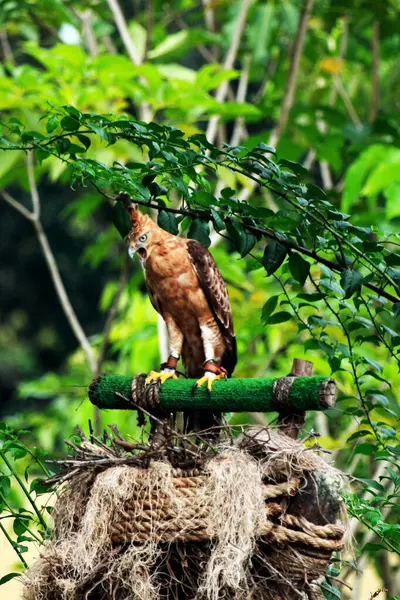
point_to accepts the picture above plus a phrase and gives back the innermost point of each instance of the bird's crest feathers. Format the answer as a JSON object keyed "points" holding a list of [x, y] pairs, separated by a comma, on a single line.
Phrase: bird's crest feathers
{"points": [[138, 219]]}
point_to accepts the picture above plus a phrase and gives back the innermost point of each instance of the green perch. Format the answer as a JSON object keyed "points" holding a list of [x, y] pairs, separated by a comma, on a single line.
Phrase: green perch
{"points": [[285, 394]]}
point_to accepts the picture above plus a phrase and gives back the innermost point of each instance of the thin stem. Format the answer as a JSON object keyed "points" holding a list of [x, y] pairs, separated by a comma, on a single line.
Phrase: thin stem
{"points": [[24, 489], [371, 528], [352, 360], [294, 309], [14, 545], [378, 331]]}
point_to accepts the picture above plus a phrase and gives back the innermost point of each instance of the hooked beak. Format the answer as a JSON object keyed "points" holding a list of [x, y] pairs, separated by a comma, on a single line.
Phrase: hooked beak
{"points": [[141, 252]]}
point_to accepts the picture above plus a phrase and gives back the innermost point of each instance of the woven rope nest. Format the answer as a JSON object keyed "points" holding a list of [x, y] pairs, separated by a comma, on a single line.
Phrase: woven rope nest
{"points": [[183, 516], [247, 524]]}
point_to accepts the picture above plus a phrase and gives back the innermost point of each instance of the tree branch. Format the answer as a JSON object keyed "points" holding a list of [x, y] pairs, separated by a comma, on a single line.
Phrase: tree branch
{"points": [[374, 106], [32, 186], [123, 31], [149, 27], [63, 296], [347, 102], [272, 235], [237, 133], [290, 86], [209, 17], [130, 48], [17, 205], [291, 82], [34, 217], [228, 64], [6, 48], [89, 39]]}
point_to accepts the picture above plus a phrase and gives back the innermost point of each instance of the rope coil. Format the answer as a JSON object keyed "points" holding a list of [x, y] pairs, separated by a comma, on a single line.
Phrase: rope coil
{"points": [[156, 518]]}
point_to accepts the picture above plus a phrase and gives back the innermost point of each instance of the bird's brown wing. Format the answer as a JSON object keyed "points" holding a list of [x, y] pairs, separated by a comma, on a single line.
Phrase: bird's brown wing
{"points": [[153, 298], [214, 288]]}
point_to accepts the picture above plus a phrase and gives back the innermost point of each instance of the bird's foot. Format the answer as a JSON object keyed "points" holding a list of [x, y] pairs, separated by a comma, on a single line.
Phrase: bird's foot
{"points": [[162, 376], [209, 377]]}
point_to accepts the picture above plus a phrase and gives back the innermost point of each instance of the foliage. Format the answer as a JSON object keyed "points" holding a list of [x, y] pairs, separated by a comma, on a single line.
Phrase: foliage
{"points": [[29, 518], [306, 278]]}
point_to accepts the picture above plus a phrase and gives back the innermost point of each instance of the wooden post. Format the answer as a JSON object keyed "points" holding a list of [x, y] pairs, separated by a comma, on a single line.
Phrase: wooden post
{"points": [[290, 423]]}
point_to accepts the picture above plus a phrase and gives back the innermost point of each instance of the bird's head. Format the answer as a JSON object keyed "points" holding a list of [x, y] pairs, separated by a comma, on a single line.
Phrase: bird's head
{"points": [[144, 235]]}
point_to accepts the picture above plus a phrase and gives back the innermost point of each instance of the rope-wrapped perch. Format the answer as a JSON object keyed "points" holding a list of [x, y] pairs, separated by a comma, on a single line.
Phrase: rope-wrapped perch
{"points": [[283, 394]]}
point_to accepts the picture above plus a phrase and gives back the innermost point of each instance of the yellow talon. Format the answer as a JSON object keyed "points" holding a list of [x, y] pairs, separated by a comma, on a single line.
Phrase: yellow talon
{"points": [[156, 376], [209, 380], [202, 380]]}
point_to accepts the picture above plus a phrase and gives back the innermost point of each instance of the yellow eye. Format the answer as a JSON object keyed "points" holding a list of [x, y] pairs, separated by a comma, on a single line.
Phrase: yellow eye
{"points": [[143, 238]]}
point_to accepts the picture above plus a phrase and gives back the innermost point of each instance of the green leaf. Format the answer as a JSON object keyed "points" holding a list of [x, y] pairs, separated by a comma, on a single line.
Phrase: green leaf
{"points": [[219, 224], [8, 577], [40, 486], [121, 219], [315, 192], [373, 363], [84, 140], [253, 265], [5, 485], [356, 173], [20, 526], [371, 483], [294, 166], [351, 282], [204, 199], [280, 317], [243, 239], [266, 148], [365, 449], [170, 44], [199, 231], [299, 267], [69, 123], [167, 221], [274, 255], [260, 34], [73, 112], [269, 308], [358, 434], [330, 592], [52, 123]]}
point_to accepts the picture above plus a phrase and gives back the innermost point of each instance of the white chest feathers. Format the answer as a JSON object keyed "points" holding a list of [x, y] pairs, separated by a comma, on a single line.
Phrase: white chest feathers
{"points": [[183, 279]]}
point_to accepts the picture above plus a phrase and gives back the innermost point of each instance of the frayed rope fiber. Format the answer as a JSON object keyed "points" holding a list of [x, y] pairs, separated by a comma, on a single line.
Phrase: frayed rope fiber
{"points": [[227, 531]]}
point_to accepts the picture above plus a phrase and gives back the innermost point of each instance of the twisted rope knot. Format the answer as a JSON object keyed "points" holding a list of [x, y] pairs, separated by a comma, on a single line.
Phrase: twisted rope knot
{"points": [[145, 396]]}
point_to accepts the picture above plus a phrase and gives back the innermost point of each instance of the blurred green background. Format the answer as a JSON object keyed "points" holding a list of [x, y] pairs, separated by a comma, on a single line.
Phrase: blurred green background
{"points": [[319, 80]]}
